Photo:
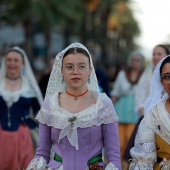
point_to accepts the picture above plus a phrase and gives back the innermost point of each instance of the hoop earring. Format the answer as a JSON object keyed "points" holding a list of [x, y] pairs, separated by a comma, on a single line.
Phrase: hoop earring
{"points": [[162, 93]]}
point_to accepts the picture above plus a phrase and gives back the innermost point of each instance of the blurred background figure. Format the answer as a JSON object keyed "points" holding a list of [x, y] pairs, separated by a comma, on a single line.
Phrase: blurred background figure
{"points": [[159, 52], [20, 98], [123, 97], [45, 77], [102, 77], [142, 90]]}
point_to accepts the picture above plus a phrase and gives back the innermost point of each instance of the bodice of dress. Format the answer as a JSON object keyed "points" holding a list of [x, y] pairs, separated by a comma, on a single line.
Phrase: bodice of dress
{"points": [[17, 107], [90, 145], [19, 112]]}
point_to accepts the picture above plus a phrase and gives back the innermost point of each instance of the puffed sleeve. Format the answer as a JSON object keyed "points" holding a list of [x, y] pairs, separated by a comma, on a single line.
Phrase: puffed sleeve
{"points": [[42, 155], [110, 136], [144, 151], [111, 143]]}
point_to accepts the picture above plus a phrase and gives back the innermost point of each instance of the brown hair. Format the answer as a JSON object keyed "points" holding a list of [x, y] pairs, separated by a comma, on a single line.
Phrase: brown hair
{"points": [[75, 51]]}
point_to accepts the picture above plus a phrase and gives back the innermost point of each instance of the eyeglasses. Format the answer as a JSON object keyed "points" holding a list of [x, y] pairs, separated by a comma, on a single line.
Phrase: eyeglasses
{"points": [[166, 78], [81, 69]]}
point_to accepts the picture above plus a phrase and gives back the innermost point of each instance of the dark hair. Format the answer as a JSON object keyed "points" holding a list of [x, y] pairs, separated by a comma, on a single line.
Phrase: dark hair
{"points": [[166, 60], [75, 51], [14, 50], [165, 48]]}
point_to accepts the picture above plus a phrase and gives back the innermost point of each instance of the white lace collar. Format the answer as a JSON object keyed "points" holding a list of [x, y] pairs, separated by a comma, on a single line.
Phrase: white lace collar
{"points": [[53, 115], [12, 97]]}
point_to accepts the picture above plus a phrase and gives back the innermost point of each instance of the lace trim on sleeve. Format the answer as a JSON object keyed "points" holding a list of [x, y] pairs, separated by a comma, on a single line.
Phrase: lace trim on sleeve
{"points": [[141, 162], [37, 164], [140, 165], [111, 166], [146, 147]]}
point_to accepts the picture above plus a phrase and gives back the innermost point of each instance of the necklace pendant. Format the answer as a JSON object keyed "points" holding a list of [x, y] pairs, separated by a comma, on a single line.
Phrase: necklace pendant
{"points": [[75, 98]]}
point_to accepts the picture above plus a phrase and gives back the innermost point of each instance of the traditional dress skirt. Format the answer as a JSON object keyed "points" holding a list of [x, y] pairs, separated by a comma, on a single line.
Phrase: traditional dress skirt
{"points": [[16, 148]]}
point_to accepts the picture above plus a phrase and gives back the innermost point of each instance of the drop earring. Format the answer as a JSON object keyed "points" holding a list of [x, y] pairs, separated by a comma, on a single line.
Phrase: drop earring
{"points": [[62, 80], [162, 93], [89, 80]]}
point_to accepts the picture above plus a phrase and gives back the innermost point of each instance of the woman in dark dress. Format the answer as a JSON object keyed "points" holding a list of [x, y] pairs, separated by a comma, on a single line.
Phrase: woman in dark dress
{"points": [[20, 99]]}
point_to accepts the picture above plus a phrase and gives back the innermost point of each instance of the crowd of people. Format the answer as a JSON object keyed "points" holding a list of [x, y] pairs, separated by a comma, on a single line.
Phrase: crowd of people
{"points": [[71, 119]]}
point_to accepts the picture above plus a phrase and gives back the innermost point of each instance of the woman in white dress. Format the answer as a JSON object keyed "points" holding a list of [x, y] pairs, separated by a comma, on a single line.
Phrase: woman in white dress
{"points": [[152, 143]]}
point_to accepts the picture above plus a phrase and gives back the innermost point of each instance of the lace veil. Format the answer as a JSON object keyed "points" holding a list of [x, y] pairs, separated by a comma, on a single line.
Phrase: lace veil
{"points": [[26, 72], [156, 89], [56, 84]]}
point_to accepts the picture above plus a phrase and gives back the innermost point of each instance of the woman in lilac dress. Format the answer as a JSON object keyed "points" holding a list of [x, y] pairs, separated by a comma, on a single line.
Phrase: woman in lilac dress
{"points": [[76, 120]]}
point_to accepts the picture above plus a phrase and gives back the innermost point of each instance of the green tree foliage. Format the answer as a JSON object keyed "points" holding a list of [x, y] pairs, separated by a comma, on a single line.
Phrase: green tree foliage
{"points": [[108, 23]]}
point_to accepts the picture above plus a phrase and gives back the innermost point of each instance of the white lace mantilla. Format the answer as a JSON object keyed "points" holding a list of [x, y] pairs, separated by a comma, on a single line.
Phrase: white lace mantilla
{"points": [[40, 164], [157, 124], [53, 115]]}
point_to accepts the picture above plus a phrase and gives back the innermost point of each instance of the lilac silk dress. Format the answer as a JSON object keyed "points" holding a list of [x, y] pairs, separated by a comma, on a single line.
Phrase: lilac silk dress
{"points": [[78, 140]]}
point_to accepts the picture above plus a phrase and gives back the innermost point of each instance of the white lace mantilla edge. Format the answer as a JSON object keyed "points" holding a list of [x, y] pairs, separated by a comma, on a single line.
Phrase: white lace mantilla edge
{"points": [[100, 113], [40, 164]]}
